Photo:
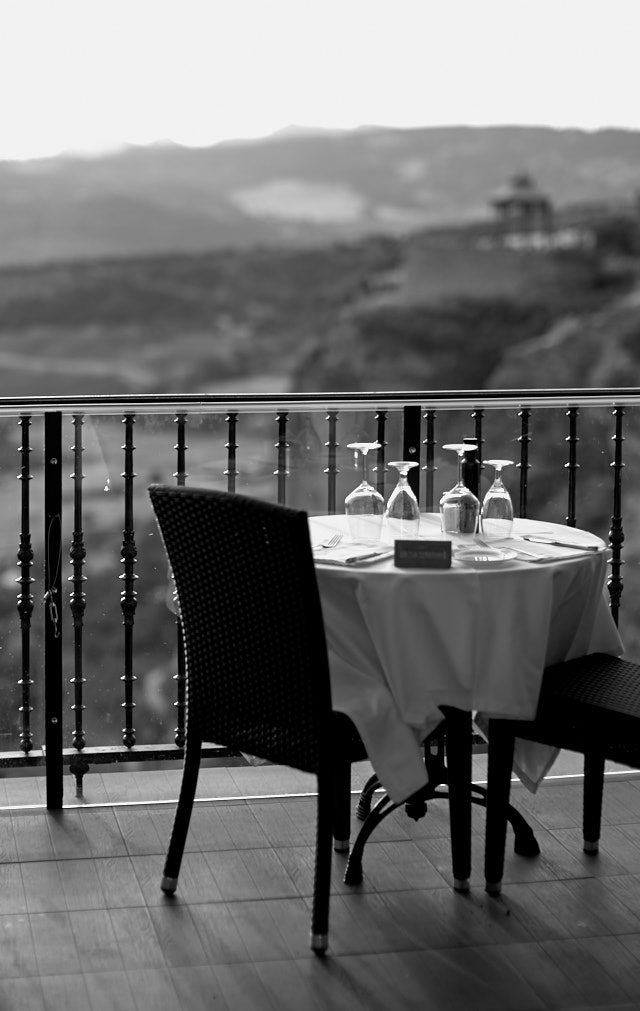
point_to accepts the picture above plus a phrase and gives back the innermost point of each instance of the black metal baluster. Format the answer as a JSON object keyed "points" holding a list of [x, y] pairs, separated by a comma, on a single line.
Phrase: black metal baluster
{"points": [[128, 594], [478, 416], [524, 439], [282, 446], [77, 603], [411, 445], [231, 446], [180, 677], [25, 597], [430, 466], [616, 533], [573, 465], [180, 447], [331, 470], [53, 607], [381, 418]]}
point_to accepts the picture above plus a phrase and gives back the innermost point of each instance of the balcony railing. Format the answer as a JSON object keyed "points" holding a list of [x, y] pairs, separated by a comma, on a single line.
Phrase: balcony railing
{"points": [[91, 665]]}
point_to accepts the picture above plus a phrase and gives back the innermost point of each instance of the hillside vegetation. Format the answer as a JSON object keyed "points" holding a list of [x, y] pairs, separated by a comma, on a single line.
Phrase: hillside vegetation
{"points": [[380, 313]]}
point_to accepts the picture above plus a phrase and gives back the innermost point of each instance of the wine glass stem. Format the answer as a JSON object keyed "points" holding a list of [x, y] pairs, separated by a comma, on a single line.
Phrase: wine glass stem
{"points": [[459, 468]]}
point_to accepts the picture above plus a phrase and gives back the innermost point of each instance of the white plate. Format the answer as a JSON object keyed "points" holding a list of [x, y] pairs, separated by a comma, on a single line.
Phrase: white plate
{"points": [[484, 556]]}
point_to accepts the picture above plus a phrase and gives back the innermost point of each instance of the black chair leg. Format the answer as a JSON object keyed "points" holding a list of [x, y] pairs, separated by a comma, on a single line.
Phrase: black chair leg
{"points": [[182, 818], [592, 802], [322, 876], [458, 749], [341, 805], [501, 748]]}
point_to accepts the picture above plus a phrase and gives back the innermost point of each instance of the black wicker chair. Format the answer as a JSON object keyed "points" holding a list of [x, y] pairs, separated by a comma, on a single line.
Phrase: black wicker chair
{"points": [[590, 705], [256, 657]]}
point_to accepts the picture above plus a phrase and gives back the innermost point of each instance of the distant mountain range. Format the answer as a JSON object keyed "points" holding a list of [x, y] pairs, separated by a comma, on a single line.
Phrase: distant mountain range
{"points": [[297, 187]]}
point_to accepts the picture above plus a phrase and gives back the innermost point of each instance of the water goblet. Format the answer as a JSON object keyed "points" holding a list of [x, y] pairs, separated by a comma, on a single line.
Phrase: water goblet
{"points": [[459, 508], [496, 515], [364, 506], [403, 511]]}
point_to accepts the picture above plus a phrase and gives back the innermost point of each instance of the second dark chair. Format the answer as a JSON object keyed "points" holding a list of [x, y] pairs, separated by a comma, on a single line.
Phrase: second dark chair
{"points": [[590, 705]]}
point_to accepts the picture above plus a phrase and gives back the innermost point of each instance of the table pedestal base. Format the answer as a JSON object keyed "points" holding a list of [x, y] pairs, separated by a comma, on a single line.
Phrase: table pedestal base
{"points": [[456, 726]]}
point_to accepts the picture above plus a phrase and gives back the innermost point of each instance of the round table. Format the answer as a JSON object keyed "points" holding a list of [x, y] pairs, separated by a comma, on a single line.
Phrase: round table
{"points": [[403, 642]]}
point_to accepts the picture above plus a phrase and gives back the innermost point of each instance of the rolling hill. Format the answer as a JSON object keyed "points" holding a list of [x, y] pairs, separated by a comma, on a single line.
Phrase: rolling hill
{"points": [[295, 188]]}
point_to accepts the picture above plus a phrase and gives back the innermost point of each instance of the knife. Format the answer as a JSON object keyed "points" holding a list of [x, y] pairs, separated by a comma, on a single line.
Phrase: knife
{"points": [[562, 544], [363, 558]]}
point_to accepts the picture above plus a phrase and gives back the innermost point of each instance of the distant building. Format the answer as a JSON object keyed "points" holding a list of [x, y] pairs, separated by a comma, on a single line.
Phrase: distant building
{"points": [[520, 206]]}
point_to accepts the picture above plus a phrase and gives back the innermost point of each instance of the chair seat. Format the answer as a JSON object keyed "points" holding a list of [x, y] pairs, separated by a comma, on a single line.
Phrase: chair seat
{"points": [[592, 702]]}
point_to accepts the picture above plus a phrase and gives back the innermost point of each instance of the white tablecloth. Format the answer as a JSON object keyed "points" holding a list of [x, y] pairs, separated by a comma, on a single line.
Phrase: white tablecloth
{"points": [[403, 642]]}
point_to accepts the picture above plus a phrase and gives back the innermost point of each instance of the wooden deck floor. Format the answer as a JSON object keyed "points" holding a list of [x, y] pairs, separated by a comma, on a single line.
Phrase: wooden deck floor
{"points": [[84, 924]]}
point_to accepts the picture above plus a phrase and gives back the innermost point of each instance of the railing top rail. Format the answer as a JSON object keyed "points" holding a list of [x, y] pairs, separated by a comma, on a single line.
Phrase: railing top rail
{"points": [[159, 403]]}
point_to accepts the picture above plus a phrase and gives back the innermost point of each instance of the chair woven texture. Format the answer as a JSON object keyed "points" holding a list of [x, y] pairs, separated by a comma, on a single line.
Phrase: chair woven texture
{"points": [[590, 702], [260, 685], [256, 659]]}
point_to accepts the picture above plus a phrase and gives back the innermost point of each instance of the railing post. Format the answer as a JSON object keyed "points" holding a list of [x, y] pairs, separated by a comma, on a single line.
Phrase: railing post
{"points": [[128, 596], [430, 466], [180, 447], [616, 533], [381, 437], [25, 597], [282, 446], [411, 445], [53, 608], [478, 416], [78, 765], [231, 446], [180, 677], [331, 470], [524, 439], [573, 465]]}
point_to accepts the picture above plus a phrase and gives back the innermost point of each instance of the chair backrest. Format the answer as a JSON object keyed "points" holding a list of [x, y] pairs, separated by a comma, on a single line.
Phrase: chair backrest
{"points": [[255, 649]]}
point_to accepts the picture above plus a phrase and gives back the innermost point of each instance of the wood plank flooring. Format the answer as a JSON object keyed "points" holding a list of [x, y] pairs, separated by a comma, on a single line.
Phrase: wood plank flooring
{"points": [[84, 924]]}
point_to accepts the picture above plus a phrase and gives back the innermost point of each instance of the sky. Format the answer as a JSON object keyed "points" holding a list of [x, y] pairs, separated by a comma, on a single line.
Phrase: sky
{"points": [[91, 75]]}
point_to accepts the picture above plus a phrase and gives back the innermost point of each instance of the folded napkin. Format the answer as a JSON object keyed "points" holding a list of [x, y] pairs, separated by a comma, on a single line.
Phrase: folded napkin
{"points": [[547, 551], [352, 554]]}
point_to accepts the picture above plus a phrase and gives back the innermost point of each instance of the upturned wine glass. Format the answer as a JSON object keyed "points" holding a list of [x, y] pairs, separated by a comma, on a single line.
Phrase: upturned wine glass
{"points": [[496, 516], [459, 508], [364, 506], [403, 511]]}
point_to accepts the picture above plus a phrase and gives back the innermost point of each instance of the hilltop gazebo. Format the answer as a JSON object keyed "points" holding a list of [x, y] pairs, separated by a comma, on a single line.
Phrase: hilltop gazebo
{"points": [[521, 207]]}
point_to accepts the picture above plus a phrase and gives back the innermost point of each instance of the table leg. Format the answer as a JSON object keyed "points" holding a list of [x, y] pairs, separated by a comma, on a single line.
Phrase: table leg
{"points": [[458, 746], [501, 748]]}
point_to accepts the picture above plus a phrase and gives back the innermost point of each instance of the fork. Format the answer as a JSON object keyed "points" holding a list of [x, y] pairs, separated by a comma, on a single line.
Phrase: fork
{"points": [[331, 542]]}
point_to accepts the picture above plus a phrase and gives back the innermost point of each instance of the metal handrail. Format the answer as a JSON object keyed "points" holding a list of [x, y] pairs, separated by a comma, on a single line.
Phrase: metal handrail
{"points": [[163, 403]]}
